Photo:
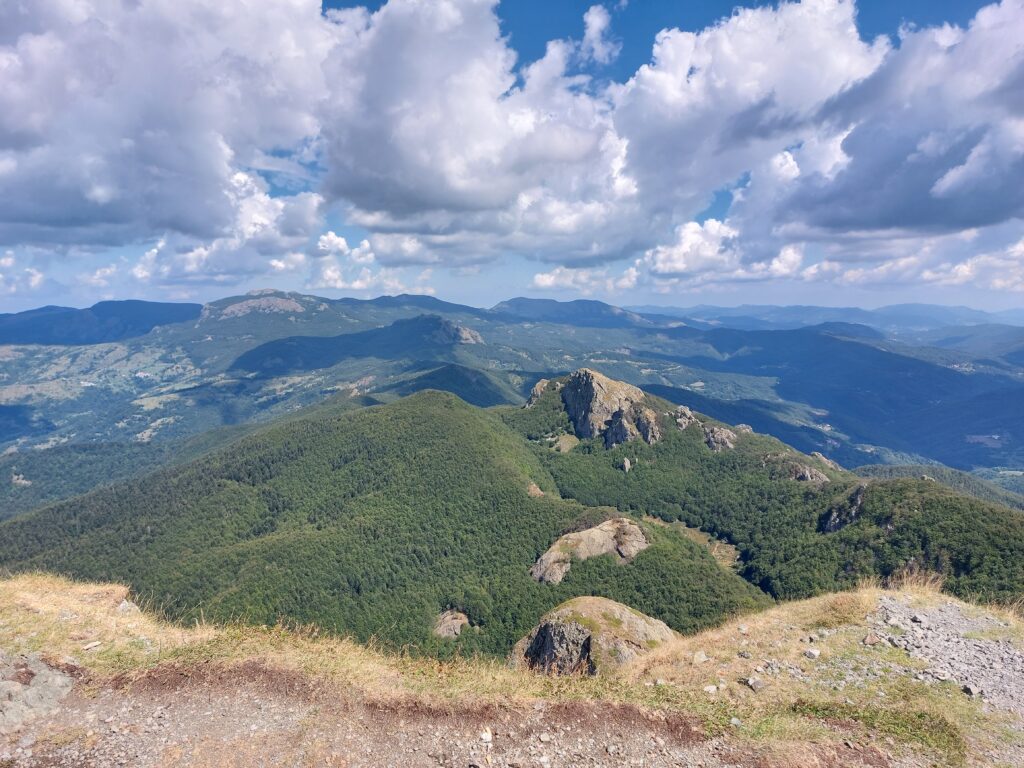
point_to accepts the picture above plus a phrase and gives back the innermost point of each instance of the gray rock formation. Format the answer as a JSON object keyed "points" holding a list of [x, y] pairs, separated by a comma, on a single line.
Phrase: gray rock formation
{"points": [[589, 634], [805, 473], [684, 417], [537, 392], [630, 423], [620, 537], [450, 624], [840, 515], [453, 333], [599, 406], [561, 648], [29, 688], [719, 439]]}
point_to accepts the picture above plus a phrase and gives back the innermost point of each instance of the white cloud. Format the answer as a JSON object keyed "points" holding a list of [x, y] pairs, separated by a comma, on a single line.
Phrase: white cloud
{"points": [[596, 44], [697, 248], [15, 279], [213, 137], [100, 278]]}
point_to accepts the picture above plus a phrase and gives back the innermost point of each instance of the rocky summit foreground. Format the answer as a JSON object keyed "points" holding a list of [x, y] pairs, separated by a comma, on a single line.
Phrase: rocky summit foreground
{"points": [[879, 678]]}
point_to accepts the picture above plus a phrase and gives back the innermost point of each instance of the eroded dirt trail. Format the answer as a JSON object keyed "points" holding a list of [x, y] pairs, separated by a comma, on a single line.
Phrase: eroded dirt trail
{"points": [[254, 717]]}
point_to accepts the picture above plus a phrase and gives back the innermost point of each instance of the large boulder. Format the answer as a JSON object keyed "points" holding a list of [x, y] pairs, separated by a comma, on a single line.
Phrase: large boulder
{"points": [[620, 537], [599, 406], [588, 635]]}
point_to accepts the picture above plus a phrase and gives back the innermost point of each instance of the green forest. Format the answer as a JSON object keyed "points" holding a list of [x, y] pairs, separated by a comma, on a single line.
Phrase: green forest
{"points": [[366, 524]]}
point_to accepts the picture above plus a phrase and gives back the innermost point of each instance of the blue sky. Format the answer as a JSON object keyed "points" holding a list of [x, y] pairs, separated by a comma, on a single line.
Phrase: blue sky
{"points": [[642, 152]]}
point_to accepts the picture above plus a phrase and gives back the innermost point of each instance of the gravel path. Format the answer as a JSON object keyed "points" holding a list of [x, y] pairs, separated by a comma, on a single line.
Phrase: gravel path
{"points": [[254, 718], [954, 645]]}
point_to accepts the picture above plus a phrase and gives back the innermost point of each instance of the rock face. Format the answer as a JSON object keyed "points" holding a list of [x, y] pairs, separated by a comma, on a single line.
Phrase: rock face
{"points": [[620, 537], [599, 406], [561, 648], [537, 392], [805, 473], [448, 332], [450, 624], [588, 634]]}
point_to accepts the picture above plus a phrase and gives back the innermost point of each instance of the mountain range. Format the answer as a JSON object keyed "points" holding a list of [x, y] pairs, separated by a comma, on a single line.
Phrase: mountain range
{"points": [[130, 388]]}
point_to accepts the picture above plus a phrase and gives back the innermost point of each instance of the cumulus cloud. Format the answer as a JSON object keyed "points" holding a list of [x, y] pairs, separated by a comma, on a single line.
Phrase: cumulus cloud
{"points": [[214, 137], [597, 45], [18, 278]]}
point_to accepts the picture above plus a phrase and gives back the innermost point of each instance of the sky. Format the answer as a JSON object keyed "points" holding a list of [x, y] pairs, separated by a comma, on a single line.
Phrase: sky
{"points": [[643, 152]]}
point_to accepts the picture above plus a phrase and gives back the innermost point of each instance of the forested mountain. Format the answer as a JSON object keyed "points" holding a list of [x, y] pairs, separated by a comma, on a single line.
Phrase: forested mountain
{"points": [[372, 522]]}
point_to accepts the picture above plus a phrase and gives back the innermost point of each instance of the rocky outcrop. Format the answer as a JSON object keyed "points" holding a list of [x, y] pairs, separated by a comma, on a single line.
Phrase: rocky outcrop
{"points": [[716, 438], [561, 648], [684, 417], [448, 332], [805, 473], [599, 406], [264, 304], [588, 634], [719, 439], [630, 423], [450, 624], [620, 537], [537, 392]]}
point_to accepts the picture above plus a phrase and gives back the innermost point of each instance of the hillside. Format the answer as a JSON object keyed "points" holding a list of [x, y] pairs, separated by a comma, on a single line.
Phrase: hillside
{"points": [[143, 692], [370, 524], [964, 482], [801, 526], [375, 522]]}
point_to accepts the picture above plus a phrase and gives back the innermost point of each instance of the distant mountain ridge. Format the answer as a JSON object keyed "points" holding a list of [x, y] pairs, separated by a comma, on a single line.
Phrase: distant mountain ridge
{"points": [[897, 317], [102, 322]]}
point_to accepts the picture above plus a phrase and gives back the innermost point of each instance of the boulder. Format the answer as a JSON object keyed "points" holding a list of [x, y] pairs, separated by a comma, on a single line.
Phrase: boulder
{"points": [[588, 635], [620, 537]]}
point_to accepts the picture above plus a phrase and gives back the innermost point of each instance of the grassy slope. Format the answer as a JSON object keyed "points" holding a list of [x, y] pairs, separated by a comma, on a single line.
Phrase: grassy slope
{"points": [[367, 524]]}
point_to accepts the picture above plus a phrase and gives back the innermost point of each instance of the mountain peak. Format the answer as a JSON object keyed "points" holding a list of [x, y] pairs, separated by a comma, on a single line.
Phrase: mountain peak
{"points": [[597, 405]]}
